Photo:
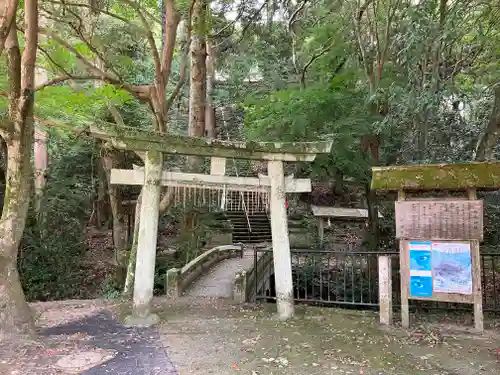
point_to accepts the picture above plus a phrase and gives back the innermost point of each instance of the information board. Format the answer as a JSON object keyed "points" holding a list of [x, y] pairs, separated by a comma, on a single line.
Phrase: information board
{"points": [[452, 267], [420, 269], [439, 220], [439, 270]]}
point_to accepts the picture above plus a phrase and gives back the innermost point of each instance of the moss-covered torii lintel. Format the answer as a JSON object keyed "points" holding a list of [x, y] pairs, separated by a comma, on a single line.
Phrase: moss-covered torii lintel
{"points": [[144, 140], [481, 176]]}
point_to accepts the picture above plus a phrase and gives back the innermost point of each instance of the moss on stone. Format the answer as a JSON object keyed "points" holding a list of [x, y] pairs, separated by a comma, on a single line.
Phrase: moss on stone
{"points": [[139, 139], [485, 176]]}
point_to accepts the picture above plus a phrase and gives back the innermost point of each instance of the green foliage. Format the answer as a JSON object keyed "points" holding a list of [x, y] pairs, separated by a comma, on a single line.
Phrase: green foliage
{"points": [[52, 257], [196, 226], [335, 112]]}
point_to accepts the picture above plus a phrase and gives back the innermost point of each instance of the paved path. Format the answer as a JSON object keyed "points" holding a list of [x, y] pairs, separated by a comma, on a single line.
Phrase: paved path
{"points": [[138, 351], [218, 281]]}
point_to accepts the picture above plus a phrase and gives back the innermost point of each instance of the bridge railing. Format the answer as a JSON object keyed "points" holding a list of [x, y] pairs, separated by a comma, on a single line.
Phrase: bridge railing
{"points": [[178, 280], [247, 283]]}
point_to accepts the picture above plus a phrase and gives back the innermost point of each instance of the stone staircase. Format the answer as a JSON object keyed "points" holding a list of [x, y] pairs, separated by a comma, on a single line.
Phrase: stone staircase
{"points": [[259, 229]]}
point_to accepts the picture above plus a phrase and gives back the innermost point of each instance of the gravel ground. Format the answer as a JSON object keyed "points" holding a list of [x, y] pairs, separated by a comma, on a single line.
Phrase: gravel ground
{"points": [[214, 336]]}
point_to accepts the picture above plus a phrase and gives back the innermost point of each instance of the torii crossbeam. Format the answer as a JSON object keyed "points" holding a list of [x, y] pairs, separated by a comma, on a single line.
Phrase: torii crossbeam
{"points": [[153, 177]]}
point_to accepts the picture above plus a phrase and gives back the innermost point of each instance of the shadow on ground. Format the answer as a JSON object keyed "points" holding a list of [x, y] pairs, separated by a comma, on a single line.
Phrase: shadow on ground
{"points": [[136, 351]]}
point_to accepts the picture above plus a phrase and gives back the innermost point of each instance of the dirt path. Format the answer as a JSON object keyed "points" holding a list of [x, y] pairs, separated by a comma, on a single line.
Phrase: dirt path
{"points": [[213, 336], [221, 339]]}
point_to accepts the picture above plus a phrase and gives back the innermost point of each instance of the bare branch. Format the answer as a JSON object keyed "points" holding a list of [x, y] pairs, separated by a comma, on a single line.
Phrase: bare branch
{"points": [[294, 15], [79, 30], [85, 5], [245, 28], [116, 114], [182, 77], [146, 12], [61, 79], [90, 65], [312, 60], [149, 35], [232, 23], [53, 62], [172, 21], [141, 92]]}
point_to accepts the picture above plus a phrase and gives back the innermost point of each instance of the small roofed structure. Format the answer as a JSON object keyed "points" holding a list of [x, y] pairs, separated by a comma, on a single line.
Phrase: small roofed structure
{"points": [[324, 215], [422, 177]]}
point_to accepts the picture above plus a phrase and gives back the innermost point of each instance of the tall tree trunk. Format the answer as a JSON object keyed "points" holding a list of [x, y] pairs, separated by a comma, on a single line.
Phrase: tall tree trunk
{"points": [[487, 143], [40, 151], [15, 314], [209, 107], [198, 77], [198, 54]]}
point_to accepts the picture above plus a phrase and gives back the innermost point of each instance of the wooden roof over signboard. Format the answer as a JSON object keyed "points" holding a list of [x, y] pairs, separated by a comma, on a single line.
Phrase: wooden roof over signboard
{"points": [[481, 176], [340, 212]]}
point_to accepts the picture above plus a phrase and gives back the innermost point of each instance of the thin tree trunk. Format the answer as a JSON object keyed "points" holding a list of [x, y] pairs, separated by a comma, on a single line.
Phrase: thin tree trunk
{"points": [[41, 161], [102, 208], [128, 288], [209, 108], [15, 314], [111, 160], [487, 143], [3, 158], [40, 151], [8, 9]]}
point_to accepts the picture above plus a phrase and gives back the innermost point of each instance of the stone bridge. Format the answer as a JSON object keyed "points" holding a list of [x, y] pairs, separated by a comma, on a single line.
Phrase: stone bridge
{"points": [[222, 272]]}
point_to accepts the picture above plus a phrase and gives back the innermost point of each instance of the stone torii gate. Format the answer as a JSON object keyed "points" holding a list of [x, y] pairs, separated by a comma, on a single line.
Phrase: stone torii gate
{"points": [[153, 177]]}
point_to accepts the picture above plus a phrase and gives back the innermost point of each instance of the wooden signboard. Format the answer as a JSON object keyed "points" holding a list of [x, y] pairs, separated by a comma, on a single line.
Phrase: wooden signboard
{"points": [[439, 253], [439, 219], [439, 237]]}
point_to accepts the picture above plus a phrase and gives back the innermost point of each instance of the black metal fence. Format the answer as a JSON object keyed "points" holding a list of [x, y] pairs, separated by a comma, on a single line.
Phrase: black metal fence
{"points": [[325, 277]]}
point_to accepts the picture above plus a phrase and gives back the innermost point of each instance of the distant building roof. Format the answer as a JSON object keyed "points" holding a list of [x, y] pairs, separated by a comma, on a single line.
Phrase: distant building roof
{"points": [[339, 212]]}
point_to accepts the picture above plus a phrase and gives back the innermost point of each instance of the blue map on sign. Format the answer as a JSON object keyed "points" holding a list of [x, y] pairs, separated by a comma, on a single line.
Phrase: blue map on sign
{"points": [[420, 286], [420, 260], [452, 268]]}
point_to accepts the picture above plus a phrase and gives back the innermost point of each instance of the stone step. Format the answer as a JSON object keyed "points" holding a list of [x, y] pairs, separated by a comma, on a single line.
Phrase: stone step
{"points": [[252, 234], [253, 240], [245, 221]]}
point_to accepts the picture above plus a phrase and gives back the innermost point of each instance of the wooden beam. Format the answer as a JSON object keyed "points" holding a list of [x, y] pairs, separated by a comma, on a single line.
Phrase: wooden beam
{"points": [[142, 140], [136, 177], [484, 176]]}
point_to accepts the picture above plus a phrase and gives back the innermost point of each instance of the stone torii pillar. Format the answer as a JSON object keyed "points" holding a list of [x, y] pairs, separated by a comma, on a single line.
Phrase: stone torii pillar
{"points": [[275, 153], [146, 244], [281, 242]]}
